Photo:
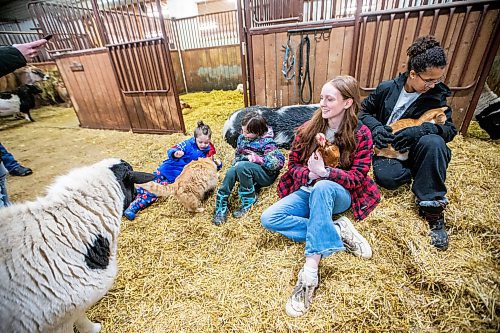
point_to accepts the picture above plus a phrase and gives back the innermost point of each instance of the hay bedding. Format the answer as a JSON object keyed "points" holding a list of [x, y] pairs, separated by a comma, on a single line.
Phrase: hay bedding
{"points": [[179, 273]]}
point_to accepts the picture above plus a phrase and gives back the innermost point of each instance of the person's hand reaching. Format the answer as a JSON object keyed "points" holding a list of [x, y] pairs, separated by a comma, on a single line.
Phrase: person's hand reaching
{"points": [[30, 50]]}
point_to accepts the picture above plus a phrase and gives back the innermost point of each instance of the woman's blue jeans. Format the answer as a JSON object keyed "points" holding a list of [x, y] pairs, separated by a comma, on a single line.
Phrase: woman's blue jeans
{"points": [[307, 216], [4, 198]]}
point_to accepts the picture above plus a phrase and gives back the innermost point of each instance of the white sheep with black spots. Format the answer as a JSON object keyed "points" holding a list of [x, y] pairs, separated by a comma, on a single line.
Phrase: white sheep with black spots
{"points": [[19, 103], [58, 254]]}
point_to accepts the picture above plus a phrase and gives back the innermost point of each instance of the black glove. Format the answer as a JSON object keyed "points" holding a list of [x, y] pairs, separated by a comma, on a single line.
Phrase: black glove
{"points": [[407, 137], [382, 136]]}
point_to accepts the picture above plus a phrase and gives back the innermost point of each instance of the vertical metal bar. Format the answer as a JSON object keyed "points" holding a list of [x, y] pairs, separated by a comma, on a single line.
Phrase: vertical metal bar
{"points": [[114, 22], [85, 22], [400, 44], [180, 58], [100, 25], [482, 73], [459, 41], [73, 31], [419, 24], [473, 45], [142, 68], [448, 24], [354, 54], [133, 34], [362, 41], [171, 81], [243, 50], [434, 22], [107, 26], [156, 21], [139, 34], [120, 19], [153, 60], [386, 49], [372, 55], [150, 30]]}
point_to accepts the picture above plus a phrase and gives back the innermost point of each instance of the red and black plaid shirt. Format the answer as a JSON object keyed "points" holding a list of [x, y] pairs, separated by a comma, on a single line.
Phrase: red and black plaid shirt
{"points": [[365, 194]]}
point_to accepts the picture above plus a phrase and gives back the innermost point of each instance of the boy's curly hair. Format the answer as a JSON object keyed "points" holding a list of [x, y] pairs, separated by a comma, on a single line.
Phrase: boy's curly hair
{"points": [[425, 52]]}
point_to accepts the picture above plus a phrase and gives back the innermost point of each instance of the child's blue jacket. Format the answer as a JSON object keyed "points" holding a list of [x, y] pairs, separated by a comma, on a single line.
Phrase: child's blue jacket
{"points": [[172, 167]]}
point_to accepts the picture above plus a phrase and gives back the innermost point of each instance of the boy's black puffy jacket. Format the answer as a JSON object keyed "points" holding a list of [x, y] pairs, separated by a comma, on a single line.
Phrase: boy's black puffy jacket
{"points": [[377, 107]]}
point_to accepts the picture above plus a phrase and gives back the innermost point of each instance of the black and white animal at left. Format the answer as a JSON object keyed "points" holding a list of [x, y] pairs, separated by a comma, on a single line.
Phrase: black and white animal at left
{"points": [[487, 112], [22, 76], [20, 102], [284, 121], [58, 254]]}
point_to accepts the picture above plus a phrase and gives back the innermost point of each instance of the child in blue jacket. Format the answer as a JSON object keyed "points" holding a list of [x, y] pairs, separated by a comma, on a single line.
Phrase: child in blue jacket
{"points": [[257, 162], [179, 156]]}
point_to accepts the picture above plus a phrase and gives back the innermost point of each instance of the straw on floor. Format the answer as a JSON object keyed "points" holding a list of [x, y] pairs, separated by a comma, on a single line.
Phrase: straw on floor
{"points": [[180, 273]]}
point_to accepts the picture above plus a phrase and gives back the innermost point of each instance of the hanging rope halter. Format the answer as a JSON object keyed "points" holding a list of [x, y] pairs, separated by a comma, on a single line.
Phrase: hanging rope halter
{"points": [[303, 77], [288, 61]]}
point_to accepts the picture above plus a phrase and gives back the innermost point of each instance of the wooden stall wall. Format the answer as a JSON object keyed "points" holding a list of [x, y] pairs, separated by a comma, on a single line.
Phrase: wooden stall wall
{"points": [[208, 69], [464, 31], [383, 45], [330, 55], [99, 103]]}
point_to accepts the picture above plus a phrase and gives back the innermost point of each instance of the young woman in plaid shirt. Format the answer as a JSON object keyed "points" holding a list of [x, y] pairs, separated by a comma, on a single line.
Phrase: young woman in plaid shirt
{"points": [[311, 193]]}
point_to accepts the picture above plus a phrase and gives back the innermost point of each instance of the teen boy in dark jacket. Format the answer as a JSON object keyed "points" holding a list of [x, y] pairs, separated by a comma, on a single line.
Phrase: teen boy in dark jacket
{"points": [[420, 89]]}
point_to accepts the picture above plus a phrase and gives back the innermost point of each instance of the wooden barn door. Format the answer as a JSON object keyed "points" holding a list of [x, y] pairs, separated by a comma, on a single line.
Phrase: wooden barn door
{"points": [[138, 47], [134, 88]]}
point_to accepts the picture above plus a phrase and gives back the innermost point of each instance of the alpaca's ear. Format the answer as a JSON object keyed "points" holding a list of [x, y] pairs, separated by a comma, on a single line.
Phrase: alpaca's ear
{"points": [[141, 177]]}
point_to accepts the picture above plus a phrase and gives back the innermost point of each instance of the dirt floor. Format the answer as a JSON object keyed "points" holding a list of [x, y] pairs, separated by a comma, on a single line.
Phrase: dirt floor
{"points": [[180, 273]]}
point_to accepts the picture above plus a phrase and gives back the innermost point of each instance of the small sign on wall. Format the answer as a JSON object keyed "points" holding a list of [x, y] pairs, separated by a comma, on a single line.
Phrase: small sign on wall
{"points": [[76, 67]]}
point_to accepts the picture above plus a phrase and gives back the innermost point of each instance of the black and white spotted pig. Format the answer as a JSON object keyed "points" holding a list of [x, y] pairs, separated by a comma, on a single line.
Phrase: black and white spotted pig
{"points": [[284, 121]]}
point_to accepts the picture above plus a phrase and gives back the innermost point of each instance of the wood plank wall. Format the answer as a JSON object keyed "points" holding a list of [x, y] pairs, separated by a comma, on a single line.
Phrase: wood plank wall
{"points": [[99, 102], [208, 69], [331, 57]]}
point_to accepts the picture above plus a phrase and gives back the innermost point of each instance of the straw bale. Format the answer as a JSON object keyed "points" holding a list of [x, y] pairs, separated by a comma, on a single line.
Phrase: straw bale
{"points": [[180, 273]]}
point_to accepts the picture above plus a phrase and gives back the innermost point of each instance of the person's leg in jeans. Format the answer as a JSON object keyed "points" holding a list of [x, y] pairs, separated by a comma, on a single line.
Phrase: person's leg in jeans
{"points": [[429, 160], [390, 173], [12, 165], [4, 197], [307, 216]]}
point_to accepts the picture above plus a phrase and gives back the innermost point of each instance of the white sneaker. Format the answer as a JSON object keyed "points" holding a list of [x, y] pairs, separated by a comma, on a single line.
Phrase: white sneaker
{"points": [[302, 295], [353, 241]]}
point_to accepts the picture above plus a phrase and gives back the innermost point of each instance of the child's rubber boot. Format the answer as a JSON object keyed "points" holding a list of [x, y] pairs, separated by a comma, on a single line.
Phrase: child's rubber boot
{"points": [[221, 209], [248, 199]]}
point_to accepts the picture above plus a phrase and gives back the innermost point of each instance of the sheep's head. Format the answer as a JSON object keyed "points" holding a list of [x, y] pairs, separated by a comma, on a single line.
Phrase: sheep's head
{"points": [[127, 177], [321, 139]]}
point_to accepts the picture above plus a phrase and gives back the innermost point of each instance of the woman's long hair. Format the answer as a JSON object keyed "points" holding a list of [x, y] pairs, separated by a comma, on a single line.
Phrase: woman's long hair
{"points": [[345, 137]]}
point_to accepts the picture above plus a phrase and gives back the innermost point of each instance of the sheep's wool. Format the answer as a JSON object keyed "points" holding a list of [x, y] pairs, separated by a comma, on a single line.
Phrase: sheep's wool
{"points": [[47, 277]]}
